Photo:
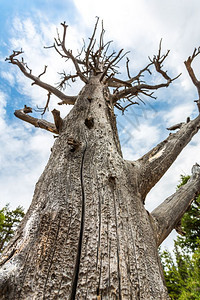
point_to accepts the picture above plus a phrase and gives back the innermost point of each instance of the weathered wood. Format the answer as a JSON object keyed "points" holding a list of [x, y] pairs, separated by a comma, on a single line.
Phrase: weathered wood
{"points": [[168, 214], [154, 164], [87, 234], [23, 115]]}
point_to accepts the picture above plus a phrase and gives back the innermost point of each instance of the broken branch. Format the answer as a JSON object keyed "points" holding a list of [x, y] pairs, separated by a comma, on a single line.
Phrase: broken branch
{"points": [[41, 123], [57, 119]]}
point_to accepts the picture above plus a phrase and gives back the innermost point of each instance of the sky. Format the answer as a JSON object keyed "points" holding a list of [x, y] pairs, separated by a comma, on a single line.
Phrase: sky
{"points": [[134, 25]]}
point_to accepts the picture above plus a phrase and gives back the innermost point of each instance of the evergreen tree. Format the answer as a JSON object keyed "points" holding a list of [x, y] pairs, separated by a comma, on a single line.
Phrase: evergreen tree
{"points": [[9, 220], [182, 269]]}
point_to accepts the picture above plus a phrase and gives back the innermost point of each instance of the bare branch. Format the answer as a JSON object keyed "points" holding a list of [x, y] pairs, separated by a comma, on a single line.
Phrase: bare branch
{"points": [[91, 44], [158, 60], [110, 64], [139, 87], [68, 53], [45, 68], [140, 74], [65, 80], [47, 103], [36, 80], [135, 90], [190, 70], [120, 107], [115, 82], [169, 213], [127, 67], [176, 126], [41, 123]]}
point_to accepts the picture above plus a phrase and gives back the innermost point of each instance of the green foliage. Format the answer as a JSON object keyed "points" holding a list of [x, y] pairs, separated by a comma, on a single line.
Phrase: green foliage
{"points": [[184, 180], [182, 273], [190, 222], [9, 220], [182, 269], [191, 226]]}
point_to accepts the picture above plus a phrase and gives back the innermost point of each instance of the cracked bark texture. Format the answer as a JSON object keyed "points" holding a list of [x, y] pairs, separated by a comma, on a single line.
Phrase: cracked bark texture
{"points": [[87, 234]]}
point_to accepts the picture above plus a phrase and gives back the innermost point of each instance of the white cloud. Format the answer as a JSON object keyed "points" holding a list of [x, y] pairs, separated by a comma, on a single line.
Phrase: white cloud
{"points": [[22, 158], [23, 155], [8, 76], [144, 137], [179, 113]]}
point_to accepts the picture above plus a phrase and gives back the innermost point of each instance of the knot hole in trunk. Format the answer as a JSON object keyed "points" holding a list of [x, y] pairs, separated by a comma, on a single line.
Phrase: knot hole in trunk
{"points": [[89, 122], [112, 180]]}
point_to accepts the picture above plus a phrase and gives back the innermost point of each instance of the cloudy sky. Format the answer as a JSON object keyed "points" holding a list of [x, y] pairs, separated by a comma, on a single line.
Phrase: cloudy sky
{"points": [[135, 25]]}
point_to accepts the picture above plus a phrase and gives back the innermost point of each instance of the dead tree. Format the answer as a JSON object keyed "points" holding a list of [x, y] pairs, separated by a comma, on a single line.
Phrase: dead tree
{"points": [[87, 234]]}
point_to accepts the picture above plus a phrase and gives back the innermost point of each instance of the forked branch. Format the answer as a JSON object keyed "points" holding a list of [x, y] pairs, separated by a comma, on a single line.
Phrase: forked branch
{"points": [[68, 53], [190, 70], [139, 87], [36, 79]]}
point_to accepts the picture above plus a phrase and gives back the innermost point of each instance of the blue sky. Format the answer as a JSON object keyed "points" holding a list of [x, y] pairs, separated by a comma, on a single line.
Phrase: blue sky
{"points": [[135, 25]]}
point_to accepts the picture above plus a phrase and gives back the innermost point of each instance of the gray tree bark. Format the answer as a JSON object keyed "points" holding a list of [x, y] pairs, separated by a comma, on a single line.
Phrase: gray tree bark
{"points": [[87, 234]]}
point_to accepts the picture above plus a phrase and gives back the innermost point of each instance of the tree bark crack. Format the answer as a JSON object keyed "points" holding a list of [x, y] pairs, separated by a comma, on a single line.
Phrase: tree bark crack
{"points": [[78, 257], [118, 248]]}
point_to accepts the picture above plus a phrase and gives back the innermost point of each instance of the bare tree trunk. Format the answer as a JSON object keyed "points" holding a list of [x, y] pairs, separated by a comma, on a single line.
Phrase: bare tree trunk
{"points": [[87, 233]]}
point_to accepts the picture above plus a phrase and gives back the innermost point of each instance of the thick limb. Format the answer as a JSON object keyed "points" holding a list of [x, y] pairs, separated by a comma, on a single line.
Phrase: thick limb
{"points": [[168, 214], [156, 162], [23, 115]]}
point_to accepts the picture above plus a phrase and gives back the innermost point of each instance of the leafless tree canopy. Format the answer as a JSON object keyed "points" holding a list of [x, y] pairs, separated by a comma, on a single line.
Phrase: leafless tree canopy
{"points": [[95, 59]]}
